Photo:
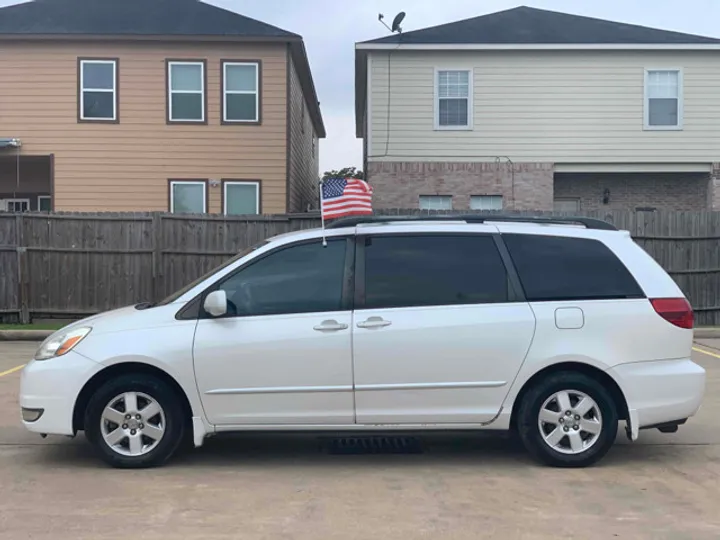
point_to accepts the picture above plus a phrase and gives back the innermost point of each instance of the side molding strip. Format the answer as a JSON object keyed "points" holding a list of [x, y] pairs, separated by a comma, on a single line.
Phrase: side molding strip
{"points": [[278, 390]]}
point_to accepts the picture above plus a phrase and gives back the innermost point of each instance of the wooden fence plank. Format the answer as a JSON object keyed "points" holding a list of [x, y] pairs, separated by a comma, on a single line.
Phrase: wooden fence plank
{"points": [[22, 271], [9, 301], [75, 264]]}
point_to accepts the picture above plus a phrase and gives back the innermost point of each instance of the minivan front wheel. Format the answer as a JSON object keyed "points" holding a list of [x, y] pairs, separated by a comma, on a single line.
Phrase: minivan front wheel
{"points": [[568, 420], [134, 421]]}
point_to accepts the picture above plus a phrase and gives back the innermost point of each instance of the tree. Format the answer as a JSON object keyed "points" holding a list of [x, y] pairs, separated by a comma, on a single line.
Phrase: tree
{"points": [[347, 172]]}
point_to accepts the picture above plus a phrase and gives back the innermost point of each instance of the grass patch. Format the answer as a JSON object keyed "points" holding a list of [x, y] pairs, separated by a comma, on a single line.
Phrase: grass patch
{"points": [[45, 326]]}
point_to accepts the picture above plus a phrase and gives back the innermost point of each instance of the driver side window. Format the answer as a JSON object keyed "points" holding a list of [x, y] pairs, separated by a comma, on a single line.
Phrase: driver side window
{"points": [[304, 278]]}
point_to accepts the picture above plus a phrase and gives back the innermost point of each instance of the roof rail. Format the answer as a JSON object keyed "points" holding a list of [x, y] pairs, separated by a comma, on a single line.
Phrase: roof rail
{"points": [[589, 223]]}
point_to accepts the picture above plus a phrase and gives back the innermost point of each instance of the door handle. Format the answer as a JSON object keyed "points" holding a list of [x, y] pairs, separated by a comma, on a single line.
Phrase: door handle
{"points": [[330, 326], [374, 322]]}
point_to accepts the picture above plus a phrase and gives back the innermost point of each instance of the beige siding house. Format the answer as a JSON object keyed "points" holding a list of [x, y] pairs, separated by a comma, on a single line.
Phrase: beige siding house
{"points": [[303, 151], [192, 109], [529, 109]]}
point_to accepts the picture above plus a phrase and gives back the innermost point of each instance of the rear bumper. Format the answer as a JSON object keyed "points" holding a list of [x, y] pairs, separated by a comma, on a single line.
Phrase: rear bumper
{"points": [[53, 386], [660, 392]]}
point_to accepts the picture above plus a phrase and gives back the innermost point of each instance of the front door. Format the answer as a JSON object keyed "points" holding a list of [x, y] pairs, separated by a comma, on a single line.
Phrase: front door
{"points": [[438, 336], [282, 355]]}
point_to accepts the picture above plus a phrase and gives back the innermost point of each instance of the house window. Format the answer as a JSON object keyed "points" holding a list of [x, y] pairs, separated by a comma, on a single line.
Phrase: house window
{"points": [[16, 205], [241, 94], [44, 203], [663, 99], [486, 202], [241, 197], [188, 196], [453, 107], [568, 206], [98, 90], [435, 202], [186, 91]]}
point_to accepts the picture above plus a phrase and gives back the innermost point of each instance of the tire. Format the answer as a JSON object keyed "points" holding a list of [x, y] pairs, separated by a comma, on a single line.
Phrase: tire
{"points": [[580, 442], [154, 430]]}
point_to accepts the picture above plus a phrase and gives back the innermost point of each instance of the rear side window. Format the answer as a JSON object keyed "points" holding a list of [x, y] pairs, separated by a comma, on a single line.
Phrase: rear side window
{"points": [[408, 271], [561, 268]]}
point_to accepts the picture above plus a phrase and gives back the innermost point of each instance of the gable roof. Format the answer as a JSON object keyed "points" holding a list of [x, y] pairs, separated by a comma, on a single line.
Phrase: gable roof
{"points": [[131, 17], [150, 19], [526, 25]]}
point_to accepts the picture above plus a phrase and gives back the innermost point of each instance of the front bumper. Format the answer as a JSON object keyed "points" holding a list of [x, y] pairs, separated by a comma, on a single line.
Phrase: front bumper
{"points": [[53, 386], [660, 392]]}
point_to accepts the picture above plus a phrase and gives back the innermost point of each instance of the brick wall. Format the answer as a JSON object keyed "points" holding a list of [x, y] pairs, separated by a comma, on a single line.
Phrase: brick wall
{"points": [[533, 186], [524, 186], [664, 191]]}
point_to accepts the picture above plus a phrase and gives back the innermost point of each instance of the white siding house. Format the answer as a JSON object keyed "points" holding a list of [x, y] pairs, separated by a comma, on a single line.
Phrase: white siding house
{"points": [[574, 126]]}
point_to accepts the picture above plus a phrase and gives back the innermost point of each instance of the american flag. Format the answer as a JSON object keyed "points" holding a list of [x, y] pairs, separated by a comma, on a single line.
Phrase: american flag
{"points": [[345, 197]]}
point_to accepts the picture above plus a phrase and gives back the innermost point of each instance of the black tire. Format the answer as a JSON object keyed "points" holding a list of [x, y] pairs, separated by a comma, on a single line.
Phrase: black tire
{"points": [[161, 392], [528, 414]]}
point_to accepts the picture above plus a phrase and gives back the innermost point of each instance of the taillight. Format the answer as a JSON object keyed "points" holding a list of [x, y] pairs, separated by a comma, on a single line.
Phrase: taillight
{"points": [[677, 311]]}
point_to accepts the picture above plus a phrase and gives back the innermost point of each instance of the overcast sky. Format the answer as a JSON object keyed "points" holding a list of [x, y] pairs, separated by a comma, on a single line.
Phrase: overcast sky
{"points": [[331, 27]]}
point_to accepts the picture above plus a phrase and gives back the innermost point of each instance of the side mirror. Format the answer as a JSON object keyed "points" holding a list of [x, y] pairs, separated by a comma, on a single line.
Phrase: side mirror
{"points": [[216, 303]]}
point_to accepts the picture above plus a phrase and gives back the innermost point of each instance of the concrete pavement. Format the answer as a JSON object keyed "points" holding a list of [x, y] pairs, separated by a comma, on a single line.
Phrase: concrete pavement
{"points": [[662, 487]]}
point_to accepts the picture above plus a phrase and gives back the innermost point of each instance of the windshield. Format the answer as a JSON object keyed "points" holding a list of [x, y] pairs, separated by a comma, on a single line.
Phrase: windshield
{"points": [[173, 297]]}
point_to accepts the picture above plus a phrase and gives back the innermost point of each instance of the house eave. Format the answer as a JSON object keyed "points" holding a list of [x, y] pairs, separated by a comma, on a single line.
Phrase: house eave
{"points": [[146, 37], [537, 47], [639, 167]]}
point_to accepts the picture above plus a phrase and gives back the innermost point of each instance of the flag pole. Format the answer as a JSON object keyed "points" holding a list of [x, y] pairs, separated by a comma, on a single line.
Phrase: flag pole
{"points": [[322, 214]]}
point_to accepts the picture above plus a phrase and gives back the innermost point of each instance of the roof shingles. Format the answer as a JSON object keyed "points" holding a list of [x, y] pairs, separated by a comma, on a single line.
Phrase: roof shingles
{"points": [[530, 26], [132, 17]]}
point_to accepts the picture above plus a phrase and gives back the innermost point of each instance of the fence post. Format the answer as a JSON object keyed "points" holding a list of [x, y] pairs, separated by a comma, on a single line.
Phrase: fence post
{"points": [[22, 267], [157, 256]]}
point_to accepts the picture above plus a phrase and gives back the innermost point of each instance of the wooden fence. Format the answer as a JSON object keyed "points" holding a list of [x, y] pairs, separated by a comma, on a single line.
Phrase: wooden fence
{"points": [[69, 265]]}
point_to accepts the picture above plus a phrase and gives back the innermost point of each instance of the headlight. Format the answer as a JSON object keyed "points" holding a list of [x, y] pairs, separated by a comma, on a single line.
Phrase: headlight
{"points": [[61, 343]]}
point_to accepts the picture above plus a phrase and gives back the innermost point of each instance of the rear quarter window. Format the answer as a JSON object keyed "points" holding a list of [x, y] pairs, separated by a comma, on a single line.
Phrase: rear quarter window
{"points": [[556, 268]]}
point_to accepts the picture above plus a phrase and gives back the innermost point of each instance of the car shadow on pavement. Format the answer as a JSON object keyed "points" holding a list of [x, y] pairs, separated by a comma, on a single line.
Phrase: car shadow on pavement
{"points": [[292, 450]]}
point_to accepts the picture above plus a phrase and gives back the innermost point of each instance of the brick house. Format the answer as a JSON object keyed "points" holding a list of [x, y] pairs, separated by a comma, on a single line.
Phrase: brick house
{"points": [[532, 109], [154, 105]]}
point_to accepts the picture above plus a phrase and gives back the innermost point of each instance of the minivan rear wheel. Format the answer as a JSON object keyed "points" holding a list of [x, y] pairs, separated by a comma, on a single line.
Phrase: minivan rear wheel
{"points": [[135, 421], [567, 419]]}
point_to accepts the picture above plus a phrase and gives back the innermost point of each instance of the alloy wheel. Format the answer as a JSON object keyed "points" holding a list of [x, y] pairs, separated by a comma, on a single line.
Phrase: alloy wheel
{"points": [[570, 422], [132, 424]]}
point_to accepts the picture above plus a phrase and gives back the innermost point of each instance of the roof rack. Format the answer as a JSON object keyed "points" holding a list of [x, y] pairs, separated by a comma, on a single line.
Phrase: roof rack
{"points": [[589, 223]]}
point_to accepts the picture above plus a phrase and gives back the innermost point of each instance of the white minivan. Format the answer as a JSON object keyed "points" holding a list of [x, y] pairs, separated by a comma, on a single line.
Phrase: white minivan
{"points": [[557, 330]]}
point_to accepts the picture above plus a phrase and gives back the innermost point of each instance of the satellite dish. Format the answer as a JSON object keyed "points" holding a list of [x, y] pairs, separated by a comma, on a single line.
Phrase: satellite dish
{"points": [[396, 22]]}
